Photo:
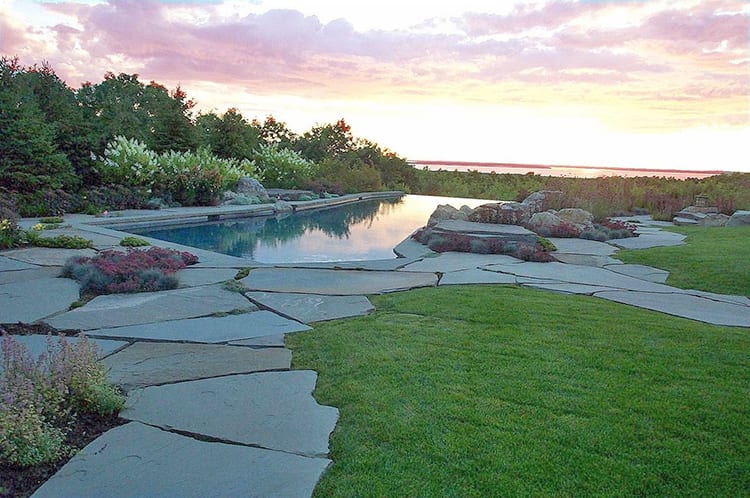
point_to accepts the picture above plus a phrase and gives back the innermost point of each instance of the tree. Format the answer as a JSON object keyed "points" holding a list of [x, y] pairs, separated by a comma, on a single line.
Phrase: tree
{"points": [[169, 115], [326, 141], [273, 132], [229, 136], [29, 157]]}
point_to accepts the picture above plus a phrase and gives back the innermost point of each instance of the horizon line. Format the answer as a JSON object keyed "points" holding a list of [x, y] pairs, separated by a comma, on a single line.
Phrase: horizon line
{"points": [[423, 162]]}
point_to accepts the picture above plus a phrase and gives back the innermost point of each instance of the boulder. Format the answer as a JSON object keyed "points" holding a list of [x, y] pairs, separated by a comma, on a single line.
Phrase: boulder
{"points": [[542, 200], [283, 207], [739, 218], [714, 220], [508, 213], [446, 212], [580, 218], [548, 224], [250, 186]]}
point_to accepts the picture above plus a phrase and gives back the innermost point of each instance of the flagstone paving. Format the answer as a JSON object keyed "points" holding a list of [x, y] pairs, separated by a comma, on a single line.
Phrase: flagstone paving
{"points": [[207, 329], [152, 363], [271, 410], [335, 282], [308, 308], [20, 301], [117, 310], [138, 460], [215, 409]]}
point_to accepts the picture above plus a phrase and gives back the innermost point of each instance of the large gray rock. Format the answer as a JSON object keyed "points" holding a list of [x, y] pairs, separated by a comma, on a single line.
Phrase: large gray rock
{"points": [[118, 310], [335, 282], [137, 460], [272, 410], [212, 329], [542, 200], [504, 213], [32, 300], [250, 186], [152, 363], [549, 224], [446, 212], [714, 220], [310, 308], [580, 218], [739, 218]]}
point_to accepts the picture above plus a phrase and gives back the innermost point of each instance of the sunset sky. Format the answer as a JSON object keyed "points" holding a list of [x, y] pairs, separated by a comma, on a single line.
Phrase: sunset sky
{"points": [[624, 83]]}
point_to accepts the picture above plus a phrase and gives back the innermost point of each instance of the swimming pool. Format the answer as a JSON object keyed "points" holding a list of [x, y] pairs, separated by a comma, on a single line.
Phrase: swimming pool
{"points": [[361, 231]]}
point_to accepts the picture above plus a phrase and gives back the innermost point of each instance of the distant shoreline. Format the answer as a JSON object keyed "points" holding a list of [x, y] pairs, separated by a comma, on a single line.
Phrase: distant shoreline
{"points": [[562, 170]]}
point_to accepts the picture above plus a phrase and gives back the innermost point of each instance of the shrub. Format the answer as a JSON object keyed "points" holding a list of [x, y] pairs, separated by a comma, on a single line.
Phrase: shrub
{"points": [[136, 270], [283, 168], [127, 161], [59, 241], [47, 202], [114, 198], [609, 230], [38, 399], [134, 242], [51, 220]]}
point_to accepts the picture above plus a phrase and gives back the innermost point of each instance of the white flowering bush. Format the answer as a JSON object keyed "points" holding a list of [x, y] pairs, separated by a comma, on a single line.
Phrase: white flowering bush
{"points": [[191, 178], [127, 161], [283, 168]]}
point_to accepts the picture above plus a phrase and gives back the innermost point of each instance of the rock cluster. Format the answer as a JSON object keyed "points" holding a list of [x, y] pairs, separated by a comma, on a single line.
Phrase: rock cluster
{"points": [[700, 215], [248, 191]]}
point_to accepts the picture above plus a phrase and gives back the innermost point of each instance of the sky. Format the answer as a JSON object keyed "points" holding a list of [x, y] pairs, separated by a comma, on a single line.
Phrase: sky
{"points": [[615, 83]]}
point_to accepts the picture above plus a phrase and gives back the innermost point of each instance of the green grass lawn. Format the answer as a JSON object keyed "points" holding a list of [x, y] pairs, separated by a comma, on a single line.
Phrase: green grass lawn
{"points": [[713, 259], [502, 391]]}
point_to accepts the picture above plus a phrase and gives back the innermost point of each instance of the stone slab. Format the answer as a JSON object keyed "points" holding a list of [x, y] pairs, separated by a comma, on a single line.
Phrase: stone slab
{"points": [[455, 261], [272, 410], [7, 277], [118, 310], [483, 228], [566, 288], [193, 277], [476, 276], [46, 256], [582, 246], [8, 264], [684, 305], [308, 308], [410, 248], [652, 239], [31, 300], [374, 265], [266, 341], [211, 329], [152, 363], [137, 460], [726, 298], [334, 282], [641, 271], [36, 345], [587, 275], [585, 259]]}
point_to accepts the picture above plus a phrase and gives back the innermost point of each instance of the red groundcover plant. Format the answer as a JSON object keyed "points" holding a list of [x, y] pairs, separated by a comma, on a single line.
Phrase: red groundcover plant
{"points": [[136, 270]]}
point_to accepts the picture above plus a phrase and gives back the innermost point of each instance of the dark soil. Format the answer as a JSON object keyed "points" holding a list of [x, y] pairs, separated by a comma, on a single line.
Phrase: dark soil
{"points": [[36, 328], [82, 429]]}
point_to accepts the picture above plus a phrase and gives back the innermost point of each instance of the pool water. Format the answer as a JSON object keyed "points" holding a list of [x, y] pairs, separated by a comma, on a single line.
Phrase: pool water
{"points": [[365, 230]]}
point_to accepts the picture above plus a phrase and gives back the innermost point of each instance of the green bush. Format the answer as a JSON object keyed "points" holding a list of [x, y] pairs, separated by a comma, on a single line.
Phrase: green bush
{"points": [[134, 242], [51, 220], [59, 241], [127, 161], [283, 168], [39, 399]]}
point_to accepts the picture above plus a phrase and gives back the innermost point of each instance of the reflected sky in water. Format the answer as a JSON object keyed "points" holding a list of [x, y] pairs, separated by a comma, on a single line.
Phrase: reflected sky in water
{"points": [[362, 231]]}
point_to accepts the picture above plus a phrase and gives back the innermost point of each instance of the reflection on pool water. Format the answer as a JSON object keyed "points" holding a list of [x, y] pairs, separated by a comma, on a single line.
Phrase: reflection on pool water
{"points": [[365, 230]]}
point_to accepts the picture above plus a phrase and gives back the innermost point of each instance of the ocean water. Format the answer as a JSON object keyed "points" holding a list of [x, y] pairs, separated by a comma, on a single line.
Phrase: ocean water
{"points": [[551, 170]]}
